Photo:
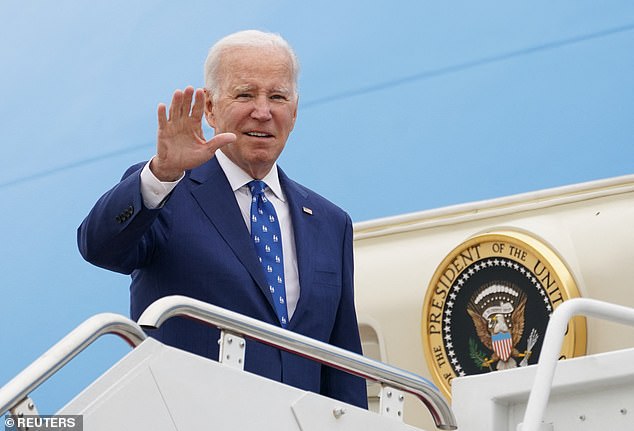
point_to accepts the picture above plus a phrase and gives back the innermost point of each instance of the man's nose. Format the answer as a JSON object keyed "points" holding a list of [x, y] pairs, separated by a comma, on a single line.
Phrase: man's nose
{"points": [[261, 109]]}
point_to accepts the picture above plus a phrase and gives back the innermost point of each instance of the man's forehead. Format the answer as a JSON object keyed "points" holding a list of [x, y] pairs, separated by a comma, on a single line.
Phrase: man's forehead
{"points": [[241, 56], [271, 59], [256, 68]]}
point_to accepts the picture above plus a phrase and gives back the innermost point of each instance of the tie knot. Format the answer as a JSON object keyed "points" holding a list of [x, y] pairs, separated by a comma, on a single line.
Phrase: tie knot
{"points": [[257, 187]]}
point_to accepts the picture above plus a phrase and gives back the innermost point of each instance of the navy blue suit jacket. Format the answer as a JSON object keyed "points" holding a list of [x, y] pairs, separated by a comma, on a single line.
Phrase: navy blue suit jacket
{"points": [[198, 245]]}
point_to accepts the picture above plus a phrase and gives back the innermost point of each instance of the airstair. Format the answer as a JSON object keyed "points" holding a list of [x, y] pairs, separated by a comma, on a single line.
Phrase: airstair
{"points": [[159, 387], [587, 393]]}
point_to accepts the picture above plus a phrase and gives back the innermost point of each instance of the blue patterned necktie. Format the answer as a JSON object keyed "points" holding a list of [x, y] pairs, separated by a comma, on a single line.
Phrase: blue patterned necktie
{"points": [[267, 238]]}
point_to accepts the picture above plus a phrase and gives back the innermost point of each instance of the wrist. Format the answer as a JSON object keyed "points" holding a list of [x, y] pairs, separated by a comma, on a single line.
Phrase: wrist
{"points": [[163, 173]]}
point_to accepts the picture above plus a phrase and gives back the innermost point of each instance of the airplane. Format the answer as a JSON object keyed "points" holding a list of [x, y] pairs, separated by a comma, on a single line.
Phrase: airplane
{"points": [[505, 314], [414, 288]]}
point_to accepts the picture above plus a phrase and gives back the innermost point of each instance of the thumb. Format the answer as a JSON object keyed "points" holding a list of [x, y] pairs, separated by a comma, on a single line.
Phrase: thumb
{"points": [[222, 139]]}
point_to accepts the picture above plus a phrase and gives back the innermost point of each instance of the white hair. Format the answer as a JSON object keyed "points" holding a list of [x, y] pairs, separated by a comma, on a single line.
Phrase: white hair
{"points": [[246, 38]]}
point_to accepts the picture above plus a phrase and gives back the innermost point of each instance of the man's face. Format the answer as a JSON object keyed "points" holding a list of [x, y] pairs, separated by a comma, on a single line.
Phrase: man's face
{"points": [[257, 103]]}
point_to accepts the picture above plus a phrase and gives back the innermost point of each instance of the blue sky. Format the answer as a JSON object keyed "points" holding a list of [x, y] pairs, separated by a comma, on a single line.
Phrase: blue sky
{"points": [[404, 106]]}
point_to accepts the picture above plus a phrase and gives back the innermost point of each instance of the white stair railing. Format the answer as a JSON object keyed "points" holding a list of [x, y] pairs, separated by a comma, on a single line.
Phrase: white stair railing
{"points": [[17, 389], [540, 392], [235, 323]]}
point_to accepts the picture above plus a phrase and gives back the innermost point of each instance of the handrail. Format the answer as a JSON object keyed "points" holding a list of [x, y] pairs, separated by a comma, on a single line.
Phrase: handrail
{"points": [[65, 350], [177, 305], [551, 348]]}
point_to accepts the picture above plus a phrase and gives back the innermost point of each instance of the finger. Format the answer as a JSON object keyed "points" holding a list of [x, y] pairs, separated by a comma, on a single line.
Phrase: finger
{"points": [[187, 101], [175, 106], [162, 116], [199, 105], [221, 139]]}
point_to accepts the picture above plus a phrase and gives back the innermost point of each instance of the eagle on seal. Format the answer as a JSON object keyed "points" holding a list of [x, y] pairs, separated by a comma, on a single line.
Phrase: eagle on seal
{"points": [[497, 311]]}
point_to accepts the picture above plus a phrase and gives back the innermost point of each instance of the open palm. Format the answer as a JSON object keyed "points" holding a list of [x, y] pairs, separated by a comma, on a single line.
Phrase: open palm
{"points": [[181, 144]]}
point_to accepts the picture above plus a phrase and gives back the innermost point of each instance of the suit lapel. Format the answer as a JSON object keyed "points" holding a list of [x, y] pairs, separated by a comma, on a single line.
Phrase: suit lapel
{"points": [[211, 190], [305, 230]]}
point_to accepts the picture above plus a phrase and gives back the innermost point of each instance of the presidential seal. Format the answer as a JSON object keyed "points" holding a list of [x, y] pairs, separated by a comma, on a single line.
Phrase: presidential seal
{"points": [[488, 304]]}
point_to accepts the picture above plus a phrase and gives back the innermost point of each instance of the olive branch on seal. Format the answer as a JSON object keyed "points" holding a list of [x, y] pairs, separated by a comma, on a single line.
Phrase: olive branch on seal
{"points": [[477, 355]]}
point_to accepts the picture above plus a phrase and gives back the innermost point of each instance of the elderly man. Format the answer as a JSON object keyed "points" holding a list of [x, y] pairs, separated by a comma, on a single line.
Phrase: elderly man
{"points": [[219, 221]]}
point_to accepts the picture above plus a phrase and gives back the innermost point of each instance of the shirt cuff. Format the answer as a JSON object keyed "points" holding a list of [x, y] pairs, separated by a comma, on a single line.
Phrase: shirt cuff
{"points": [[153, 190]]}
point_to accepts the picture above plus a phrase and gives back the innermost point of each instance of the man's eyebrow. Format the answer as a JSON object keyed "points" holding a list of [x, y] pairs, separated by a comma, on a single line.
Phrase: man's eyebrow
{"points": [[283, 90], [243, 87], [248, 87]]}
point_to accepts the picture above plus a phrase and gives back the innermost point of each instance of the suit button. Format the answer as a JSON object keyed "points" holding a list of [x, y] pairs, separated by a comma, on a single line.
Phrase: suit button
{"points": [[125, 214]]}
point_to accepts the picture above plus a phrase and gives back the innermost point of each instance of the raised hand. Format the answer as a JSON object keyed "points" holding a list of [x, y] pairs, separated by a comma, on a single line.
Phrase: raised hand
{"points": [[181, 144]]}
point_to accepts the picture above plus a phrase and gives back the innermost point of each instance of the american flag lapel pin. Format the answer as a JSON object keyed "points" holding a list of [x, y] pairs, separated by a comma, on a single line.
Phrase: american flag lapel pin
{"points": [[307, 210]]}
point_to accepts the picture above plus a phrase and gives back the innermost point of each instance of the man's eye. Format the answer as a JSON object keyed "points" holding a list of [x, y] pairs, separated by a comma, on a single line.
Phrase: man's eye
{"points": [[243, 96], [278, 97]]}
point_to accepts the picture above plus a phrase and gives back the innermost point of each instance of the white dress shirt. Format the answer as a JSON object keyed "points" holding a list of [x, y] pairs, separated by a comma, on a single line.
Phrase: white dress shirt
{"points": [[155, 191]]}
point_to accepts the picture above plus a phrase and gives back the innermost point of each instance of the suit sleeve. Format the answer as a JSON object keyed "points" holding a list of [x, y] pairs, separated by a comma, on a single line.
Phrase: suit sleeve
{"points": [[339, 384], [117, 233]]}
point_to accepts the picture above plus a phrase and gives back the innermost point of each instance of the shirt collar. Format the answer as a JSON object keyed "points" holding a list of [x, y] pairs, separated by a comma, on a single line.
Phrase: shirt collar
{"points": [[239, 179]]}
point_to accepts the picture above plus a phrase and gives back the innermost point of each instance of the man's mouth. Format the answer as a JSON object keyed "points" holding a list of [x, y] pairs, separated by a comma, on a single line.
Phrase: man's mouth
{"points": [[259, 134]]}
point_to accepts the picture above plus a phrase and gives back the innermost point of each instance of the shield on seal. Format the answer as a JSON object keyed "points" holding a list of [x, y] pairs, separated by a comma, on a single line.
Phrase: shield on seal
{"points": [[502, 345]]}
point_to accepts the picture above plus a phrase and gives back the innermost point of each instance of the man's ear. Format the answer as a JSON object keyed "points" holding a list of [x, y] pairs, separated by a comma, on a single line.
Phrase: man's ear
{"points": [[295, 111], [209, 111]]}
